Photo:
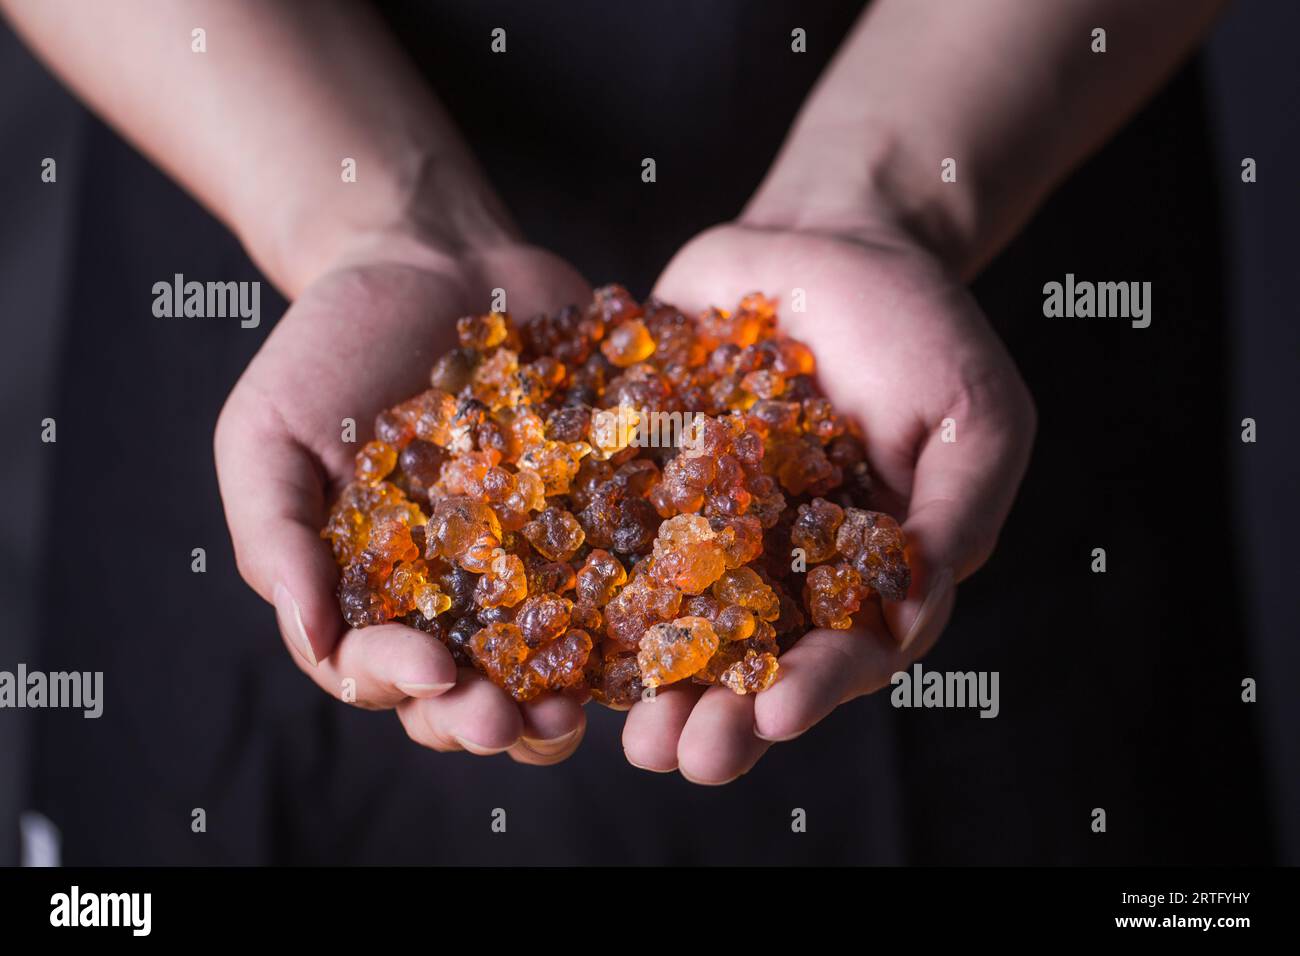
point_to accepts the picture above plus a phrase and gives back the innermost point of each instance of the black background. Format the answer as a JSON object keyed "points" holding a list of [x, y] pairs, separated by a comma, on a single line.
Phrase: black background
{"points": [[1120, 691]]}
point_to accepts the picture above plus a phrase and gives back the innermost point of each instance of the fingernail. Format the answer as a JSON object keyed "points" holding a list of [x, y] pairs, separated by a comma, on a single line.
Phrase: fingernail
{"points": [[938, 593], [549, 748], [710, 783], [478, 749], [778, 740], [641, 766], [422, 690], [289, 615]]}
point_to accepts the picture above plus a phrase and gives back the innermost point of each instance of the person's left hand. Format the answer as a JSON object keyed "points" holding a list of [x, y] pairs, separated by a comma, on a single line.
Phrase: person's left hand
{"points": [[357, 340], [903, 349]]}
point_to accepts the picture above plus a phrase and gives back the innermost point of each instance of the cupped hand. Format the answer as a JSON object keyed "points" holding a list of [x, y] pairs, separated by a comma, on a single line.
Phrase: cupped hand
{"points": [[948, 423], [359, 339]]}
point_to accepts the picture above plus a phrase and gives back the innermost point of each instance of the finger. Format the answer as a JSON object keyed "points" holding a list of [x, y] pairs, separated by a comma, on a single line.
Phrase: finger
{"points": [[532, 290], [703, 274], [378, 667], [718, 743], [654, 726], [553, 726], [823, 670], [475, 715], [275, 505], [966, 479]]}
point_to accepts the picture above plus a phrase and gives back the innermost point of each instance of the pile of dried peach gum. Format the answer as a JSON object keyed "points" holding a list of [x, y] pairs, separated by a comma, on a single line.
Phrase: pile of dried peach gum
{"points": [[616, 498]]}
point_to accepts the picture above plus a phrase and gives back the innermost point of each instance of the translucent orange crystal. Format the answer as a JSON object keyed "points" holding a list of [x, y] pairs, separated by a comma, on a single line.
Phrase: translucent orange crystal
{"points": [[541, 511], [676, 650]]}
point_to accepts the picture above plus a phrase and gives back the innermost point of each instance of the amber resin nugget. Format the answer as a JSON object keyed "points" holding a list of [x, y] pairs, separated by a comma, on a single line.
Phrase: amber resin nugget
{"points": [[616, 498]]}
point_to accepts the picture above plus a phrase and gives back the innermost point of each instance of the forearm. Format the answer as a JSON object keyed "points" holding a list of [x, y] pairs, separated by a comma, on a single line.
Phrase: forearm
{"points": [[259, 125], [1009, 89]]}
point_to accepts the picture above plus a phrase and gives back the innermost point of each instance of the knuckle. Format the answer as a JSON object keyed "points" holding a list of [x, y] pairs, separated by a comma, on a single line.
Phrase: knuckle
{"points": [[986, 390], [242, 564], [1024, 408], [222, 430], [994, 392]]}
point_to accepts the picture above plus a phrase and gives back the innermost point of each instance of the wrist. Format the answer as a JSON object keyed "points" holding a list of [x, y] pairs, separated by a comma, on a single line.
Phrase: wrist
{"points": [[423, 212], [466, 272], [872, 190]]}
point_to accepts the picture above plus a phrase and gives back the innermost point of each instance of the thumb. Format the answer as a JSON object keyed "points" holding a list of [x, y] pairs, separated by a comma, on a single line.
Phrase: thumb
{"points": [[965, 481], [274, 498]]}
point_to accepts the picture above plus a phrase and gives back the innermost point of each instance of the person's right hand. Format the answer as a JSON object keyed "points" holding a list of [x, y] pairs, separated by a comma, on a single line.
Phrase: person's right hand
{"points": [[359, 339], [904, 350]]}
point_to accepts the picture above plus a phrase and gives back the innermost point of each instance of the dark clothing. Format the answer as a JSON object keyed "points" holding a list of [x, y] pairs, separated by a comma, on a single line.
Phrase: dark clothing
{"points": [[1119, 690]]}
